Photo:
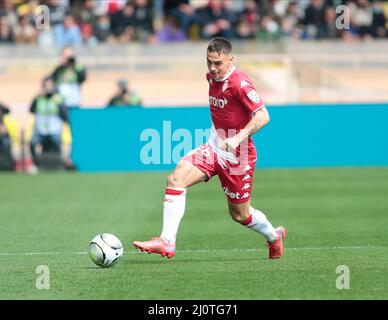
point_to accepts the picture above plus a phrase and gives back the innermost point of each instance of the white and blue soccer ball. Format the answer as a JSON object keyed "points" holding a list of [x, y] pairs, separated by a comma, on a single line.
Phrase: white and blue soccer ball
{"points": [[105, 250]]}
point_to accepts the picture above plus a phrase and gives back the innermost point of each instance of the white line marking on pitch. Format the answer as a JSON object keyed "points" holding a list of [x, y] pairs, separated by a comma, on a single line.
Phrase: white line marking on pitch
{"points": [[190, 251]]}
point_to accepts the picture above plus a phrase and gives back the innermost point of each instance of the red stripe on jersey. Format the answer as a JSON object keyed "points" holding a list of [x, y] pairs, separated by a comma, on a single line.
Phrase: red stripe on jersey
{"points": [[174, 192], [248, 221]]}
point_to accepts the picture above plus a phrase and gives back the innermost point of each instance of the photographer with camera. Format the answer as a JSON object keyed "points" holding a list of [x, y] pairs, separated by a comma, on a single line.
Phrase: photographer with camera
{"points": [[50, 116], [68, 77], [124, 96], [7, 162]]}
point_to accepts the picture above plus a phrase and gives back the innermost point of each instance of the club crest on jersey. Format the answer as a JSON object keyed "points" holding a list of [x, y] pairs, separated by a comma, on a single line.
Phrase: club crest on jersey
{"points": [[215, 102], [225, 86], [253, 96]]}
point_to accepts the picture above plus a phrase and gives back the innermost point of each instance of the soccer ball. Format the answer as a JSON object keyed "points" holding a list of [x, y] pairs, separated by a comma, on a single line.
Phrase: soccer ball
{"points": [[105, 250]]}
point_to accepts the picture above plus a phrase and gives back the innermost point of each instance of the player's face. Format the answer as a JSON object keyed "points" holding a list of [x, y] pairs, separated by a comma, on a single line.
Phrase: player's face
{"points": [[218, 64]]}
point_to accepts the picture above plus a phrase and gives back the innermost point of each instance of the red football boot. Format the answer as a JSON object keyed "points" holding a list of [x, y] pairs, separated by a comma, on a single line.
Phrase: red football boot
{"points": [[276, 247], [156, 245]]}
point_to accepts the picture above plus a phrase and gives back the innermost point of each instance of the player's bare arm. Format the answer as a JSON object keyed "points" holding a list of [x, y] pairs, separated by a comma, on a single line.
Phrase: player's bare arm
{"points": [[259, 120]]}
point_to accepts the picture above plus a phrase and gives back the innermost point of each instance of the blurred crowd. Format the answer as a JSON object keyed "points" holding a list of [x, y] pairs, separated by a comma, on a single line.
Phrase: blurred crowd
{"points": [[89, 22]]}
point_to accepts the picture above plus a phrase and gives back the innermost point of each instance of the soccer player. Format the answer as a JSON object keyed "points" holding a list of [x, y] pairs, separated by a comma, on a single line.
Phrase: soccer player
{"points": [[237, 113]]}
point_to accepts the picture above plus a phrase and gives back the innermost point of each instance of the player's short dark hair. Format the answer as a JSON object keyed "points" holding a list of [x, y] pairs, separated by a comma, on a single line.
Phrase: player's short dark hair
{"points": [[219, 45]]}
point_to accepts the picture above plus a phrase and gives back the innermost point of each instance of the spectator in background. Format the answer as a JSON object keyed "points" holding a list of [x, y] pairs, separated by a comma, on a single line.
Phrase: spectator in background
{"points": [[50, 115], [266, 8], [83, 13], [332, 31], [68, 77], [123, 23], [102, 28], [58, 12], [291, 21], [144, 28], [217, 20], [7, 8], [247, 26], [24, 32], [57, 15], [315, 20], [29, 8], [7, 162], [269, 29], [379, 21], [113, 6], [171, 31], [68, 33], [6, 35], [361, 15], [269, 24], [182, 11], [125, 97]]}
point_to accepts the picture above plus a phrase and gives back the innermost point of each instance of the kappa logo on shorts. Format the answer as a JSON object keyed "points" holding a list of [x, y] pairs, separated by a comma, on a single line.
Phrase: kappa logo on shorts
{"points": [[245, 195], [248, 167], [247, 176], [246, 186]]}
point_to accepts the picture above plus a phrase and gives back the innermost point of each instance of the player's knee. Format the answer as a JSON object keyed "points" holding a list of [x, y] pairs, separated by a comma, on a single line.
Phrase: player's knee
{"points": [[173, 181], [176, 178], [238, 216]]}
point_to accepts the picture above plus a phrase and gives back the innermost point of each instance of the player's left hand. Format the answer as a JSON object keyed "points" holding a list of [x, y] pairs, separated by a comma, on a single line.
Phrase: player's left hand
{"points": [[230, 144]]}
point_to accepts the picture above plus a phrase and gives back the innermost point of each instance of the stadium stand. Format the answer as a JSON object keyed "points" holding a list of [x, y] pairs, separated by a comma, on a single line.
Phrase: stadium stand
{"points": [[119, 21], [291, 49]]}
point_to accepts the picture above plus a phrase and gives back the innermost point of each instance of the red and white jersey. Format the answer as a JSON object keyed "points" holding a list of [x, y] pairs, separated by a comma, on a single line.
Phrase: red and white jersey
{"points": [[233, 100]]}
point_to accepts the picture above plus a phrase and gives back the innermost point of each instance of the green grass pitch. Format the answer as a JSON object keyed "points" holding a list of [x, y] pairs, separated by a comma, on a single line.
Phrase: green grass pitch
{"points": [[334, 216]]}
